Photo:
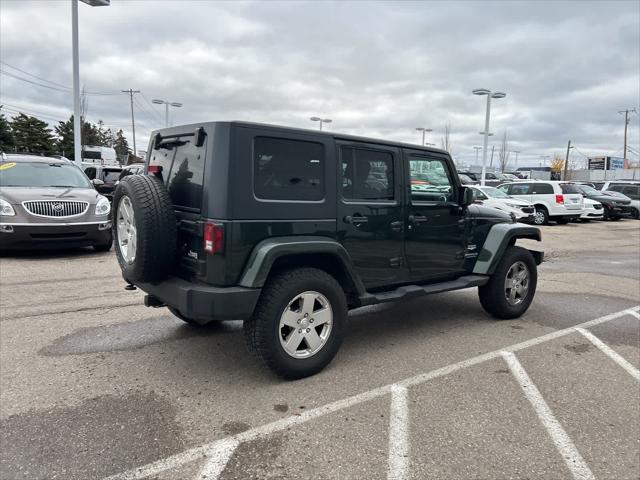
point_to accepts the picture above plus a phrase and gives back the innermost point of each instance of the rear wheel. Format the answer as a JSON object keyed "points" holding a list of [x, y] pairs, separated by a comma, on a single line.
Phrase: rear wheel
{"points": [[299, 322], [512, 286], [541, 216]]}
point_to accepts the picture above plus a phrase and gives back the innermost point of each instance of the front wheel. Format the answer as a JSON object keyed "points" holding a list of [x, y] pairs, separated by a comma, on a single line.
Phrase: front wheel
{"points": [[299, 322], [541, 217], [512, 286]]}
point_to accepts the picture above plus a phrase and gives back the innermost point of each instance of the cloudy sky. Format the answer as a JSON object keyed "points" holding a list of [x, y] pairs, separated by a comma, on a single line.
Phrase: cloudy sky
{"points": [[378, 69]]}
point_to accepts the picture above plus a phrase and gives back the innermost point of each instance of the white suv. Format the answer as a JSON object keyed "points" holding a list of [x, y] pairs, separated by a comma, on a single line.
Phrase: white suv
{"points": [[559, 201]]}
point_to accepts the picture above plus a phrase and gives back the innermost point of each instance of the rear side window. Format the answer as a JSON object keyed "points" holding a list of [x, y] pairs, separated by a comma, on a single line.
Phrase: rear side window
{"points": [[366, 174], [90, 172], [286, 169], [543, 189], [519, 189], [182, 170], [569, 188], [632, 191]]}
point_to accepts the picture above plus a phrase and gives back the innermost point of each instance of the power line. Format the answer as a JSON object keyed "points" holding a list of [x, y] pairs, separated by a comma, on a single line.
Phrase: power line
{"points": [[153, 109], [32, 75], [66, 90]]}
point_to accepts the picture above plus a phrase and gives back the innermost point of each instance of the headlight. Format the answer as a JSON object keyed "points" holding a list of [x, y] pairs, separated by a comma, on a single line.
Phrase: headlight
{"points": [[6, 209], [513, 205], [103, 207]]}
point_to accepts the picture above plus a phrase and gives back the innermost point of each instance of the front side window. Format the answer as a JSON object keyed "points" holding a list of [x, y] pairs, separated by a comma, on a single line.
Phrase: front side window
{"points": [[632, 191], [478, 195], [430, 181], [286, 169], [90, 172], [366, 174]]}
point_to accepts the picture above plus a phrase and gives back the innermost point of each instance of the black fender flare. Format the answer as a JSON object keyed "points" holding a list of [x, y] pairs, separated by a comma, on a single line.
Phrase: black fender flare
{"points": [[265, 254], [499, 238]]}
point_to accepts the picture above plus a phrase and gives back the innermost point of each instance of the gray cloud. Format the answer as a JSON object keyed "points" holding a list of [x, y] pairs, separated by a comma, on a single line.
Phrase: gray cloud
{"points": [[377, 69]]}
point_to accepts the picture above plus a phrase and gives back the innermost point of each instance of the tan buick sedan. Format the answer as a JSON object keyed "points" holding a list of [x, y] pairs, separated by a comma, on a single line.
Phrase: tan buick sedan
{"points": [[49, 202]]}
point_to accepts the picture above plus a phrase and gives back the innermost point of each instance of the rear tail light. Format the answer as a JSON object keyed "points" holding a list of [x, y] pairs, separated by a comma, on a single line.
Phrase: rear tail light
{"points": [[213, 238], [559, 198], [154, 169]]}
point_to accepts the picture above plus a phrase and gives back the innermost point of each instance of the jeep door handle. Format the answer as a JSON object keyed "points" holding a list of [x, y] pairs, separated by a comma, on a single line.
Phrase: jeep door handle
{"points": [[417, 219], [396, 226], [356, 219]]}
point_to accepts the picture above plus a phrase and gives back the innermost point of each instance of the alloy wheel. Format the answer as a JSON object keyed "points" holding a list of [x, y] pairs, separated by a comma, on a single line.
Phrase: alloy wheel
{"points": [[305, 324]]}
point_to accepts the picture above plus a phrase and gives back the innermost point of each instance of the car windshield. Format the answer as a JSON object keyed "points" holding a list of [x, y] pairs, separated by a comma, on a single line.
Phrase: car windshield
{"points": [[494, 192], [40, 174], [587, 190]]}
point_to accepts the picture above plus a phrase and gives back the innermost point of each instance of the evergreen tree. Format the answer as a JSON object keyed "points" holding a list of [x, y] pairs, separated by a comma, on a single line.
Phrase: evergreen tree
{"points": [[6, 136], [64, 142], [32, 135], [120, 144]]}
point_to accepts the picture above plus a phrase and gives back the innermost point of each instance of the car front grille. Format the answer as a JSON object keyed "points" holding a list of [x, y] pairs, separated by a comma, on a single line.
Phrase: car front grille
{"points": [[55, 208]]}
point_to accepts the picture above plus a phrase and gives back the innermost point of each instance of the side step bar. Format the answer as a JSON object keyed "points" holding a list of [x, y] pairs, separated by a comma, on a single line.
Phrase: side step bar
{"points": [[414, 291]]}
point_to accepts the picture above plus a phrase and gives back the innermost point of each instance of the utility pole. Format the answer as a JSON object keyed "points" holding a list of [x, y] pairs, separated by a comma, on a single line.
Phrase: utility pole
{"points": [[626, 124], [133, 122], [493, 147], [566, 161]]}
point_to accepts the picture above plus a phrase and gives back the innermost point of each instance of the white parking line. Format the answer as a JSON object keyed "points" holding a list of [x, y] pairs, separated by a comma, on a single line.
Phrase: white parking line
{"points": [[565, 446], [399, 434], [612, 354], [632, 311], [218, 458], [196, 453]]}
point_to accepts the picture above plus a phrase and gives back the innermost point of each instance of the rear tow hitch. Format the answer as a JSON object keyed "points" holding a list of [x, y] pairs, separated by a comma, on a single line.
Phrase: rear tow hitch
{"points": [[151, 301]]}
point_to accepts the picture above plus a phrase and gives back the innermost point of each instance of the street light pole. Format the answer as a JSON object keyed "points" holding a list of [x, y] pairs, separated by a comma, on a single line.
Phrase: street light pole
{"points": [[77, 139], [321, 120], [476, 149], [77, 121], [166, 108], [490, 95]]}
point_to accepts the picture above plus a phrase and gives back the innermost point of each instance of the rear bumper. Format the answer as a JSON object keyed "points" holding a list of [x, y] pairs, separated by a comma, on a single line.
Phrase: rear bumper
{"points": [[201, 302], [15, 236]]}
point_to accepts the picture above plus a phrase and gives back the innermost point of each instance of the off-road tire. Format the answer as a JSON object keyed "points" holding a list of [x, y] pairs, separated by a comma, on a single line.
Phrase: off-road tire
{"points": [[544, 219], [262, 329], [492, 294], [155, 221]]}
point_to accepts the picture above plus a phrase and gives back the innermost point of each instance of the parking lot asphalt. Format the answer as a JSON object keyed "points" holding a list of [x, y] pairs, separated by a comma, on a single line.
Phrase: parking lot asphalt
{"points": [[95, 385]]}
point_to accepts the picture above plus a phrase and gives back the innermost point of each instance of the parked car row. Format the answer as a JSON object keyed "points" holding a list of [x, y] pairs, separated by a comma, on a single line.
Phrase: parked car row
{"points": [[539, 202]]}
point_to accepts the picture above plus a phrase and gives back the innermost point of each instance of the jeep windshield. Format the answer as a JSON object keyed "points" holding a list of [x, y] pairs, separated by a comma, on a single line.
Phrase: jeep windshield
{"points": [[42, 175]]}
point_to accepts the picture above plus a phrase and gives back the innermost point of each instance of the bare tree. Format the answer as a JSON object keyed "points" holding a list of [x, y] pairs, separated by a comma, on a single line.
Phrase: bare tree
{"points": [[503, 153], [446, 138]]}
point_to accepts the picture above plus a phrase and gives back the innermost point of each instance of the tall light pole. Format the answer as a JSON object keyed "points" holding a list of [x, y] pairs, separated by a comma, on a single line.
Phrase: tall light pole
{"points": [[321, 120], [131, 92], [77, 137], [477, 149], [424, 130], [166, 108], [490, 95]]}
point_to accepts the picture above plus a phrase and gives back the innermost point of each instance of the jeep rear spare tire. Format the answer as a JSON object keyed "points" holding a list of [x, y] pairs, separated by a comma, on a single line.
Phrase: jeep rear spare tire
{"points": [[144, 228]]}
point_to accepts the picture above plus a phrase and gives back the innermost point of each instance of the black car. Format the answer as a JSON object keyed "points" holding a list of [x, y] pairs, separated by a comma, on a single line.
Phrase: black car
{"points": [[103, 177], [615, 207], [288, 229]]}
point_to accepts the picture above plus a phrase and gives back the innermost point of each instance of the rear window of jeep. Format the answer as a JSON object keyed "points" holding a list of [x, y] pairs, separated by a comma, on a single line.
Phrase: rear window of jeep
{"points": [[285, 169]]}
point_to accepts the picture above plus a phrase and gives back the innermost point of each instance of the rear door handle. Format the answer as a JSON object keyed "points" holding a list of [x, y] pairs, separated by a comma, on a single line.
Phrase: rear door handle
{"points": [[396, 226], [356, 219], [415, 219]]}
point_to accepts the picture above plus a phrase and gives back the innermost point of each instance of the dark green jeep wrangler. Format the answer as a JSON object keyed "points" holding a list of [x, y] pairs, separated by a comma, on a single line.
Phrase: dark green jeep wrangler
{"points": [[288, 229]]}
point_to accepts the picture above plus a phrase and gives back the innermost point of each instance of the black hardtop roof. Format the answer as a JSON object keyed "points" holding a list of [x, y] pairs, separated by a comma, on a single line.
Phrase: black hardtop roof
{"points": [[28, 158], [280, 128]]}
